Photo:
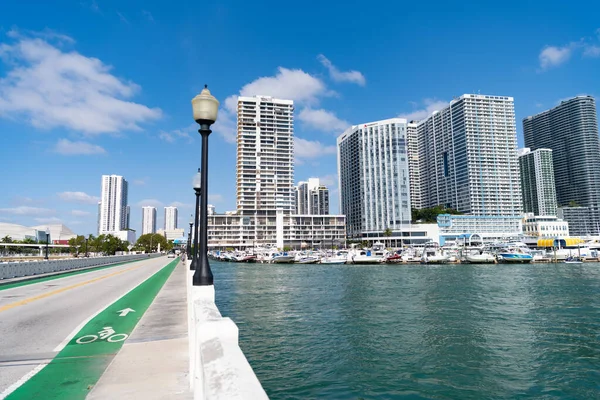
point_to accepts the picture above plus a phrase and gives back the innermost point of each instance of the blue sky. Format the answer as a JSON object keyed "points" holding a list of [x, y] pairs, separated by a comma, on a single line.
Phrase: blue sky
{"points": [[104, 87]]}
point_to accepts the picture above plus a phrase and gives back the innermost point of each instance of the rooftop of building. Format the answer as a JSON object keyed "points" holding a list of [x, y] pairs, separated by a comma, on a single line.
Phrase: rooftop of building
{"points": [[562, 103]]}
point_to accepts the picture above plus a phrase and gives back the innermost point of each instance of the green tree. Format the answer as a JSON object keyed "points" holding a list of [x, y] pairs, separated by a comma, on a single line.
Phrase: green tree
{"points": [[150, 241], [7, 239], [387, 233], [77, 245], [429, 215]]}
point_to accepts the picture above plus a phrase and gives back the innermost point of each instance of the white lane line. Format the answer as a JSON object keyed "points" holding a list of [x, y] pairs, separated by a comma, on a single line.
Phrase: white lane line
{"points": [[62, 345], [21, 381]]}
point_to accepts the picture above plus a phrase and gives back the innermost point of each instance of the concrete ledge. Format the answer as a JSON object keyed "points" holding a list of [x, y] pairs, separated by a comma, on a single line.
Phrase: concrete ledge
{"points": [[219, 368], [36, 269]]}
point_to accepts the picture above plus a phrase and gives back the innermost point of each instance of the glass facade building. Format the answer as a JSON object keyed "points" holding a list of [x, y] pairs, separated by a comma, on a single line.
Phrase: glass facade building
{"points": [[537, 181]]}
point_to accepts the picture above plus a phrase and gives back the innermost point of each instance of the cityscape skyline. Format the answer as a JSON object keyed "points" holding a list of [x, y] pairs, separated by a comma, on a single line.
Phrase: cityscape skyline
{"points": [[146, 132]]}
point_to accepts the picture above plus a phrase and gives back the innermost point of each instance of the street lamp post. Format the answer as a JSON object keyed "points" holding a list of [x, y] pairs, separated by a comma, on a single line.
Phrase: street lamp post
{"points": [[47, 240], [205, 108], [86, 253], [189, 243], [197, 184]]}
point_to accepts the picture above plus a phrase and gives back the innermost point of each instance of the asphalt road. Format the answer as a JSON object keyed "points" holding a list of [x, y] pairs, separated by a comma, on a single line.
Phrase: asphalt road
{"points": [[36, 319]]}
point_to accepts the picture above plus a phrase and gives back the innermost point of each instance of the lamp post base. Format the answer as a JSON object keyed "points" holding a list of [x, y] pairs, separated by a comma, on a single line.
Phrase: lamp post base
{"points": [[203, 275]]}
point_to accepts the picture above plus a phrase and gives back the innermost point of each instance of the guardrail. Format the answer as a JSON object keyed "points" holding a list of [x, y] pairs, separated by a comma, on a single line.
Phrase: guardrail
{"points": [[218, 367], [21, 269]]}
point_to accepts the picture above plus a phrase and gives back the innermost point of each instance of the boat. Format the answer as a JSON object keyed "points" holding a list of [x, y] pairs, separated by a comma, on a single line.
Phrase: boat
{"points": [[339, 258], [394, 257], [573, 260], [483, 257], [243, 257], [434, 256], [375, 255], [307, 260], [283, 258], [514, 255]]}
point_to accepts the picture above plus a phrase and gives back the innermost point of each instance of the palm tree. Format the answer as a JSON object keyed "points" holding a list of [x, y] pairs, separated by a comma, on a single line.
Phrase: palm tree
{"points": [[7, 239], [387, 233]]}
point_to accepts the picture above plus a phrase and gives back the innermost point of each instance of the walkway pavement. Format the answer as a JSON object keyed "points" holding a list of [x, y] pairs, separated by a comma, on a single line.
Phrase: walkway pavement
{"points": [[154, 362]]}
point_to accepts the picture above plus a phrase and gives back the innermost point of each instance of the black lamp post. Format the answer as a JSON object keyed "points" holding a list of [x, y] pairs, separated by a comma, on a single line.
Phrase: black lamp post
{"points": [[205, 108], [189, 243], [86, 253], [198, 190], [47, 240]]}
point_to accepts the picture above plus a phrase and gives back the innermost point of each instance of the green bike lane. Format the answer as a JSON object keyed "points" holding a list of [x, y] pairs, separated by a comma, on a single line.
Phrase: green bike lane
{"points": [[74, 371]]}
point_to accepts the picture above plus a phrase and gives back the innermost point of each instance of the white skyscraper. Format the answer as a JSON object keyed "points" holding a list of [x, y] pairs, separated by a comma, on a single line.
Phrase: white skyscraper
{"points": [[374, 176], [312, 198], [265, 157], [468, 157], [170, 218], [148, 220], [114, 214]]}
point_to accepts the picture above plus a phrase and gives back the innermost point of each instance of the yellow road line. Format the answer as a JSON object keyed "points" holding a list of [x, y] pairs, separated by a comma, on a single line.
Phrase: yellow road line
{"points": [[57, 291]]}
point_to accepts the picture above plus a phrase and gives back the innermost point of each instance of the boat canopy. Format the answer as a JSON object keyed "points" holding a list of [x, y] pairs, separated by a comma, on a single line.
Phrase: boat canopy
{"points": [[565, 242]]}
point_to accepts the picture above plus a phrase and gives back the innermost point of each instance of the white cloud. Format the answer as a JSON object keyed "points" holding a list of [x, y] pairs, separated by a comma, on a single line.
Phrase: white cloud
{"points": [[80, 213], [293, 84], [428, 107], [148, 15], [48, 220], [339, 76], [329, 180], [311, 149], [52, 88], [178, 135], [150, 202], [123, 18], [322, 120], [552, 56], [66, 147], [25, 210], [181, 205], [215, 198], [591, 51], [78, 197], [226, 124], [140, 182]]}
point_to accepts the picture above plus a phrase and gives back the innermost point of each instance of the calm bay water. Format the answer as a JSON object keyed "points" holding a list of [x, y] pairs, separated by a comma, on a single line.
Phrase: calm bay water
{"points": [[398, 331]]}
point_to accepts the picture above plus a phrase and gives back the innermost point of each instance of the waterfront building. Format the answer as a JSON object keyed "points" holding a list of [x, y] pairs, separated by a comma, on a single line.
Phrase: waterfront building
{"points": [[468, 157], [148, 220], [172, 234], [266, 197], [59, 233], [374, 177], [571, 131], [413, 234], [277, 229], [537, 181], [483, 228], [265, 154], [414, 172], [546, 226], [171, 218], [114, 211], [582, 220], [312, 198]]}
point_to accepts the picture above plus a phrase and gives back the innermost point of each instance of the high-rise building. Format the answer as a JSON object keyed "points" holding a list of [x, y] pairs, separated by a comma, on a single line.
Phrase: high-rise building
{"points": [[412, 145], [170, 218], [468, 157], [148, 220], [312, 198], [537, 181], [374, 176], [265, 157], [571, 131], [114, 214]]}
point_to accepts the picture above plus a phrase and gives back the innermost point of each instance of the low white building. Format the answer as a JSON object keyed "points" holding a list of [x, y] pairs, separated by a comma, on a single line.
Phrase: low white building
{"points": [[407, 235], [268, 227], [546, 226], [171, 234], [125, 235], [479, 227]]}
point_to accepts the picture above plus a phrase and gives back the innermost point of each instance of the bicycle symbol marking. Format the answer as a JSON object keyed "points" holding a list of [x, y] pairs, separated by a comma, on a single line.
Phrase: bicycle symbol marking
{"points": [[107, 333]]}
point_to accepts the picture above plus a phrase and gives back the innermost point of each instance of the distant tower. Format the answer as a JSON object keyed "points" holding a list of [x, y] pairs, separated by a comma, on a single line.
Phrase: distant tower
{"points": [[148, 220], [537, 181], [113, 207], [170, 218]]}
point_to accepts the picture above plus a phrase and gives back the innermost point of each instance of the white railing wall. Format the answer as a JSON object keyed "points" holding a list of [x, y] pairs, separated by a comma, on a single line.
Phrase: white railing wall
{"points": [[218, 368], [21, 269]]}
